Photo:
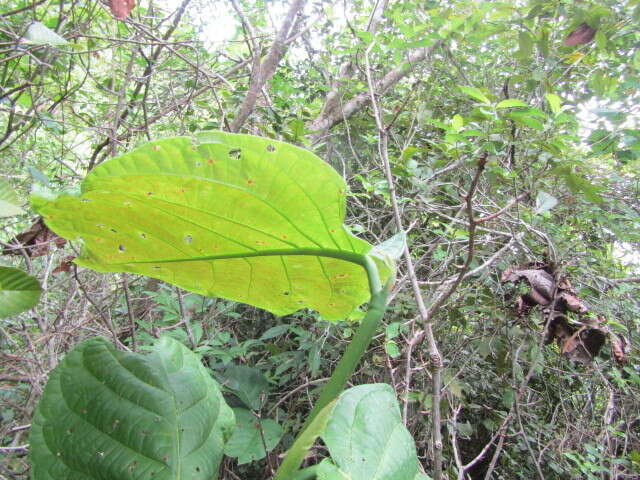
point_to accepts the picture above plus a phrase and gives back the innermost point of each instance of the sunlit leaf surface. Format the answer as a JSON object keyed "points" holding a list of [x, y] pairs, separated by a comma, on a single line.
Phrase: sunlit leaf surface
{"points": [[234, 216]]}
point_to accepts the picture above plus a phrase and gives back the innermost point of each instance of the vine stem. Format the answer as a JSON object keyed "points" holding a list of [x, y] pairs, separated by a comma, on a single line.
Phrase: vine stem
{"points": [[346, 366]]}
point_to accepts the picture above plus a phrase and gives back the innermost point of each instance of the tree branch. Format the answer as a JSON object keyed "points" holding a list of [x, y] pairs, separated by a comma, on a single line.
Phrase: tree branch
{"points": [[263, 71], [328, 119]]}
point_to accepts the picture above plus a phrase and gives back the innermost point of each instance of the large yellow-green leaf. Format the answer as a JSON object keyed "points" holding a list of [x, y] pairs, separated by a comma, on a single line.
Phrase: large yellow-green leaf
{"points": [[234, 216], [112, 415]]}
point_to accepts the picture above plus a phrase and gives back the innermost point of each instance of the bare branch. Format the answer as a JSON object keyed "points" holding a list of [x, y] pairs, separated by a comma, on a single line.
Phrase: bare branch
{"points": [[332, 103], [262, 72], [328, 119]]}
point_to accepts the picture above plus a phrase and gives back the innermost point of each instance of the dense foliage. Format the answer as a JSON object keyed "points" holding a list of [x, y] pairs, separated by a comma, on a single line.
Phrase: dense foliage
{"points": [[502, 137]]}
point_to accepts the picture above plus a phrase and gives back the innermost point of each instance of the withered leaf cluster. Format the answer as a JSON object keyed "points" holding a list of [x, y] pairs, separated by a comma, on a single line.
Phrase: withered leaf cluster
{"points": [[34, 242], [579, 340]]}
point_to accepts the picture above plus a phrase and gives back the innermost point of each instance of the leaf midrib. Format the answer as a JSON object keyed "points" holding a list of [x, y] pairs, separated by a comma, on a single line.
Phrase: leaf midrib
{"points": [[347, 256]]}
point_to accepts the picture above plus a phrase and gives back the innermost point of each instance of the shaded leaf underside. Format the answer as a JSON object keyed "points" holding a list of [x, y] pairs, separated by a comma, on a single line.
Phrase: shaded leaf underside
{"points": [[240, 217], [18, 291], [110, 415]]}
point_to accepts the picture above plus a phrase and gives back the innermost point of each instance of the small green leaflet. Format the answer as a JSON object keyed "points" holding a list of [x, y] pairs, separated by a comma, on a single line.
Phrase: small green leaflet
{"points": [[554, 102], [38, 34], [457, 122], [474, 92], [9, 205], [511, 102], [545, 202], [526, 120], [246, 442]]}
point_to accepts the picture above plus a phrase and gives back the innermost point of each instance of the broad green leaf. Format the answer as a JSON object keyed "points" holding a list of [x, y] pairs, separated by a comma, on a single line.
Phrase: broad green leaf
{"points": [[110, 415], [601, 40], [18, 291], [474, 92], [511, 102], [408, 152], [328, 471], [9, 204], [250, 435], [543, 42], [554, 102], [545, 202], [248, 383], [37, 33], [235, 216], [24, 100], [366, 437], [531, 112]]}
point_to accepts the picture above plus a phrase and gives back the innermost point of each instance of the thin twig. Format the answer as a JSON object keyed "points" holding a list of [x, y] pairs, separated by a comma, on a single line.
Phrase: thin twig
{"points": [[132, 321], [184, 319], [434, 353], [106, 320]]}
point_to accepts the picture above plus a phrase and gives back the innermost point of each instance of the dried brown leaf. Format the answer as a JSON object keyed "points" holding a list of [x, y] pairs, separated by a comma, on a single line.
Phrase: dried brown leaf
{"points": [[573, 303], [65, 266], [618, 347], [35, 241], [121, 8], [559, 329], [541, 282], [581, 35]]}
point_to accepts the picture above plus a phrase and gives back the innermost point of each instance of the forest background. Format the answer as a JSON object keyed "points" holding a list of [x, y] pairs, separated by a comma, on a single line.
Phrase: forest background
{"points": [[501, 136]]}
